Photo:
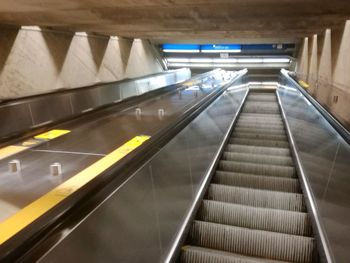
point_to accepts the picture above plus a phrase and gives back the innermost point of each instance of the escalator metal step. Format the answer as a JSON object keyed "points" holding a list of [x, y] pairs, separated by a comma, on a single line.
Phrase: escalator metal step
{"points": [[263, 97], [257, 158], [290, 185], [192, 254], [255, 197], [294, 223], [260, 136], [266, 107], [274, 151], [251, 120], [256, 243], [266, 130], [260, 115], [256, 168], [254, 125], [259, 142]]}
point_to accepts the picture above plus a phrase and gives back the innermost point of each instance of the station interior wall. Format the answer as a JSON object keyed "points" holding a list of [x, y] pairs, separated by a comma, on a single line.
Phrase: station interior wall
{"points": [[35, 60], [324, 62]]}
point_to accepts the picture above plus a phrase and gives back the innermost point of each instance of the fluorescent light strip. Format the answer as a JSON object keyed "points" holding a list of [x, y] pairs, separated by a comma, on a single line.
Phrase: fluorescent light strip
{"points": [[221, 51], [181, 50]]}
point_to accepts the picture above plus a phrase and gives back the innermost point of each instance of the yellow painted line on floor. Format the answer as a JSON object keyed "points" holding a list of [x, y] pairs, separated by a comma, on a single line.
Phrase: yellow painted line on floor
{"points": [[33, 211], [49, 135], [11, 150]]}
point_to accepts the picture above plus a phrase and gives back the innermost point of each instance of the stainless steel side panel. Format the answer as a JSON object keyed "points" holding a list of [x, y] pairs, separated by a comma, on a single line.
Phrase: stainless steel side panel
{"points": [[24, 114], [141, 219], [325, 159]]}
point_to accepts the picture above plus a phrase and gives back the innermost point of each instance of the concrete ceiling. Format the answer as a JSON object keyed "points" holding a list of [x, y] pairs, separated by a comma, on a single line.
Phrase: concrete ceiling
{"points": [[253, 21]]}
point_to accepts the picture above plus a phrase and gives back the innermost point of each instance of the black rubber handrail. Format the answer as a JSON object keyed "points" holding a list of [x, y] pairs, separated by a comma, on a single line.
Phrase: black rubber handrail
{"points": [[326, 114]]}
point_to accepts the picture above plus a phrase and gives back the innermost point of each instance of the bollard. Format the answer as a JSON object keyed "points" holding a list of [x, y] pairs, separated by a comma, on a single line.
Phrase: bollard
{"points": [[56, 169], [14, 166]]}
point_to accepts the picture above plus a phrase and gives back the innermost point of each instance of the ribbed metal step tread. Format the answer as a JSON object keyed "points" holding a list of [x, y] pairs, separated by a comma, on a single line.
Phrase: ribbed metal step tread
{"points": [[266, 130], [274, 220], [258, 149], [255, 125], [257, 168], [264, 97], [260, 136], [192, 254], [261, 107], [257, 158], [260, 120], [255, 197], [260, 115], [256, 135], [290, 185], [254, 243], [260, 142]]}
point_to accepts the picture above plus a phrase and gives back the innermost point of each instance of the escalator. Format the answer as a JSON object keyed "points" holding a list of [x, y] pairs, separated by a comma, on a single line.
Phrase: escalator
{"points": [[254, 209]]}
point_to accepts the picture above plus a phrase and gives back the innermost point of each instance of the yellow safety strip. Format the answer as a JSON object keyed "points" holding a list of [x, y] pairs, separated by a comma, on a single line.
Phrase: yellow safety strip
{"points": [[33, 211], [11, 150], [20, 147], [49, 135], [304, 84]]}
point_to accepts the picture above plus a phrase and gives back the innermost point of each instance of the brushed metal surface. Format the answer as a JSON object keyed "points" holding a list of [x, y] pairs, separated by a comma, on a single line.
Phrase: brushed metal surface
{"points": [[21, 115], [86, 143], [139, 222], [325, 161]]}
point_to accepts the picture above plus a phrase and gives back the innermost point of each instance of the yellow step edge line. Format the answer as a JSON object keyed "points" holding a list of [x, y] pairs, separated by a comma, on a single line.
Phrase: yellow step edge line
{"points": [[52, 134], [11, 150], [14, 149], [33, 211]]}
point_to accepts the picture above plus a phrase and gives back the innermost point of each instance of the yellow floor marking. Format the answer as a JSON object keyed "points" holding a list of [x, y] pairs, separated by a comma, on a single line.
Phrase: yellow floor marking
{"points": [[49, 135], [11, 150], [33, 211]]}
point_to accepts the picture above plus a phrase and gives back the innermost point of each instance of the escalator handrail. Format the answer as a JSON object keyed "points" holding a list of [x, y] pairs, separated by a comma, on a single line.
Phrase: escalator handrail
{"points": [[328, 116]]}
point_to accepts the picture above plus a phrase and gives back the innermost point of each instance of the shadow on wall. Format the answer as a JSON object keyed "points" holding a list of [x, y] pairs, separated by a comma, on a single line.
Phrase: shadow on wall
{"points": [[35, 60], [7, 38], [57, 47]]}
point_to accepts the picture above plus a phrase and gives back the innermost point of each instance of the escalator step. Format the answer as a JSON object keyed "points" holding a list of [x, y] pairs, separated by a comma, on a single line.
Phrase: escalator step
{"points": [[264, 97], [294, 223], [266, 130], [253, 106], [253, 168], [272, 121], [257, 158], [255, 197], [256, 243], [258, 142], [192, 254], [260, 115], [251, 149], [261, 136], [290, 185], [258, 120], [253, 126]]}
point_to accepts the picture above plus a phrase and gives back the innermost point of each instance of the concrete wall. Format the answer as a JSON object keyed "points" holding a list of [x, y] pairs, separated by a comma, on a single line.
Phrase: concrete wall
{"points": [[34, 60], [328, 70]]}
